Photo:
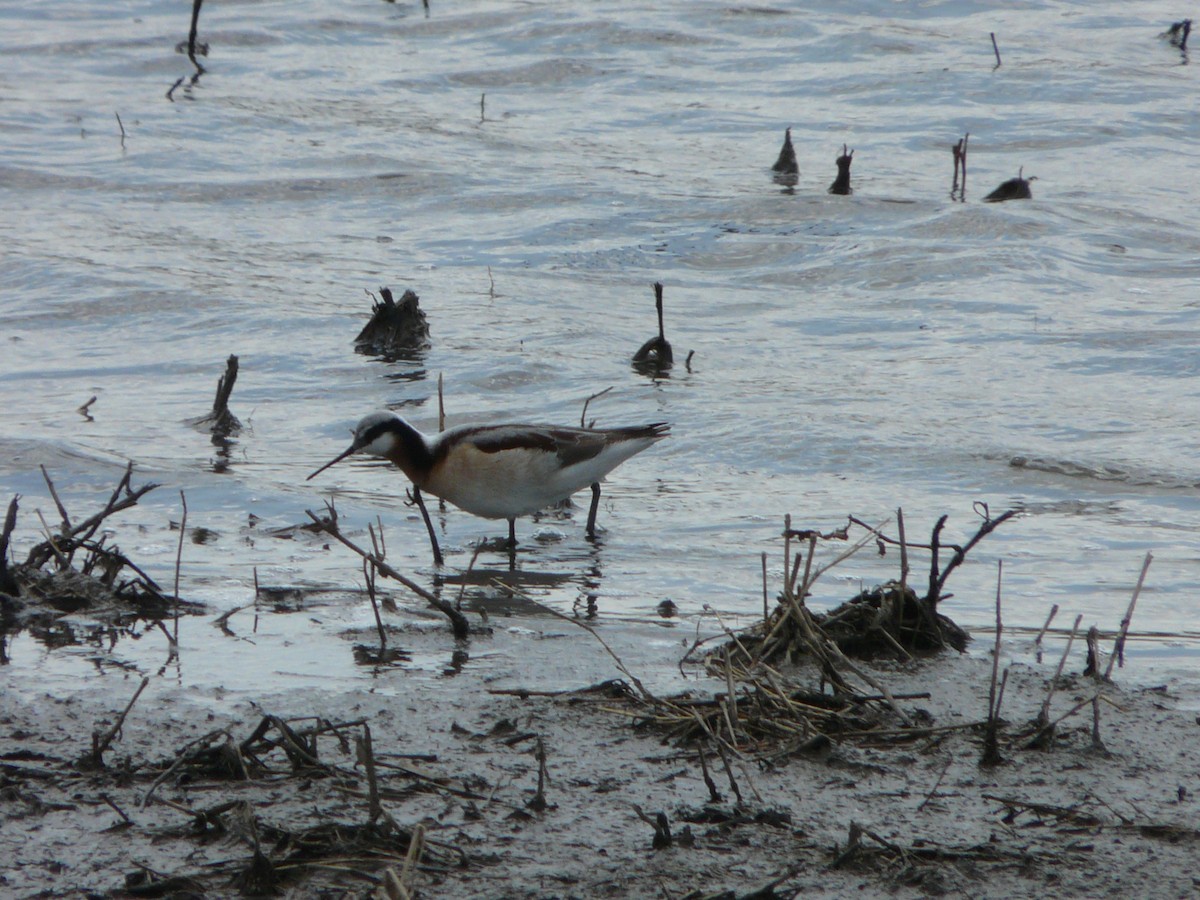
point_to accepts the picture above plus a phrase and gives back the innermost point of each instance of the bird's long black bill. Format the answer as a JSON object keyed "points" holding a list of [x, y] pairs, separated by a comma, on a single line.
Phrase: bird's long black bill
{"points": [[336, 459]]}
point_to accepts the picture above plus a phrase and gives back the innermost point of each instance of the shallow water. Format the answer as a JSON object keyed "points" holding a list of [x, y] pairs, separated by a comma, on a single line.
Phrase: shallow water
{"points": [[852, 355]]}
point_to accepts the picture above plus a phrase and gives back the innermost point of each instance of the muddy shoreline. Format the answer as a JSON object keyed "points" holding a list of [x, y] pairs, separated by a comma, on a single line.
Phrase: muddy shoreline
{"points": [[458, 757]]}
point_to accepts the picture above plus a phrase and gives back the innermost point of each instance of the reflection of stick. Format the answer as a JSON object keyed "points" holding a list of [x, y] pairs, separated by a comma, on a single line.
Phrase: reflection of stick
{"points": [[1119, 646]]}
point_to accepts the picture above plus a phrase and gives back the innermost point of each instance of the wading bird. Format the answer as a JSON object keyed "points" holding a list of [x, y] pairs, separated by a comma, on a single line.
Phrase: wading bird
{"points": [[500, 471]]}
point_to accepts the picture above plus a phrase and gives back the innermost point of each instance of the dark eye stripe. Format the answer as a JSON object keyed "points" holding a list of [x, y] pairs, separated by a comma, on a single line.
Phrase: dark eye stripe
{"points": [[374, 432]]}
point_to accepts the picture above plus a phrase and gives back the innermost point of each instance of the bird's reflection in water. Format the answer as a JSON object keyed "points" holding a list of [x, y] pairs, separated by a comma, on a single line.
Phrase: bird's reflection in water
{"points": [[494, 589]]}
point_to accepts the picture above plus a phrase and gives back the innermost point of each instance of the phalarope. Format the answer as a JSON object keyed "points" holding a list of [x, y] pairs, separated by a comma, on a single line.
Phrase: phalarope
{"points": [[501, 471]]}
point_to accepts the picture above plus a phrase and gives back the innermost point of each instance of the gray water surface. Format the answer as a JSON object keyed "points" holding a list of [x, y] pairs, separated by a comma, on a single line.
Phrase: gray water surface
{"points": [[852, 355]]}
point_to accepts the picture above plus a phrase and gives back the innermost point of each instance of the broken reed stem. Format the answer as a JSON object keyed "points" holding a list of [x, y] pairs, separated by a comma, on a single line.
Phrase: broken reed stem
{"points": [[416, 849], [1000, 693], [462, 588], [458, 622], [256, 596], [1093, 654], [996, 648], [937, 784], [766, 601], [938, 580], [101, 744], [1037, 642], [178, 562], [583, 413], [64, 561], [538, 801], [180, 759], [1119, 646], [366, 753], [995, 48], [796, 611], [903, 553], [8, 584], [731, 703], [62, 510], [646, 695], [441, 405], [733, 785], [41, 553], [991, 748], [788, 578], [1044, 715], [369, 576], [714, 795]]}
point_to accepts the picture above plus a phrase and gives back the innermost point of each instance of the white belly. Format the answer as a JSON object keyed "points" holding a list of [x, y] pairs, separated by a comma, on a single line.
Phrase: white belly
{"points": [[516, 483]]}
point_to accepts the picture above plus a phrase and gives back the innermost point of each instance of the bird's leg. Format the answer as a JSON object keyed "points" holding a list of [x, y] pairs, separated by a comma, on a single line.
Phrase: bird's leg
{"points": [[433, 541], [591, 525], [512, 533]]}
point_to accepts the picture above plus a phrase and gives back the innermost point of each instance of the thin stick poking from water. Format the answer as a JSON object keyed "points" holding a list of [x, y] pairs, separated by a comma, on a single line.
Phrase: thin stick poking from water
{"points": [[441, 405], [583, 414], [766, 610], [121, 125], [178, 561], [1044, 715], [1119, 646], [996, 49], [1050, 618], [256, 596], [991, 750], [369, 576]]}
